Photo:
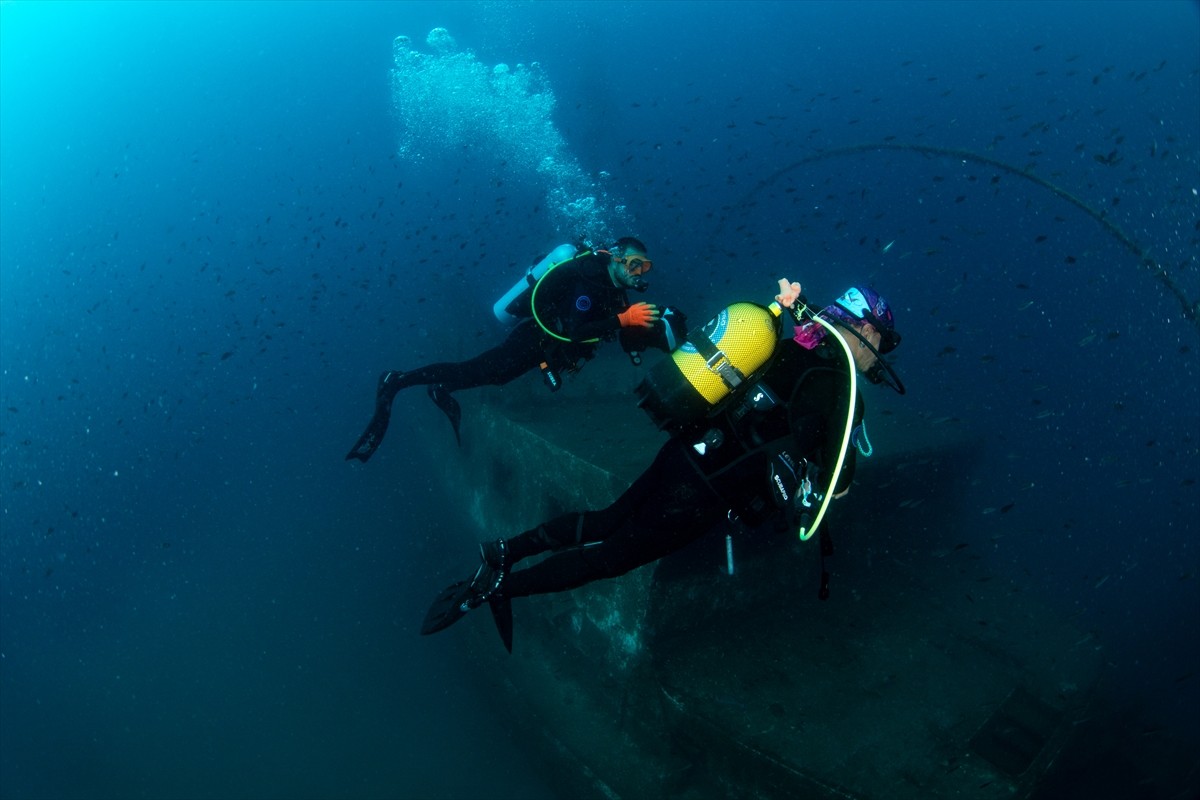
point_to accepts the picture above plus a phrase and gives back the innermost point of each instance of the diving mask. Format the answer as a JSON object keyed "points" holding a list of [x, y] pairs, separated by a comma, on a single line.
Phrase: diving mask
{"points": [[636, 265]]}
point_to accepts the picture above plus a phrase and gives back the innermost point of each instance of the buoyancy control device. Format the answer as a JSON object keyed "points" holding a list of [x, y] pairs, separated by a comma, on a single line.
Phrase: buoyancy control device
{"points": [[720, 361]]}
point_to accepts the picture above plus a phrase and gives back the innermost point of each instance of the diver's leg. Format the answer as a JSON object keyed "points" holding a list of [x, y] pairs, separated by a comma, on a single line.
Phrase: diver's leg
{"points": [[668, 506], [516, 355], [581, 527], [640, 540]]}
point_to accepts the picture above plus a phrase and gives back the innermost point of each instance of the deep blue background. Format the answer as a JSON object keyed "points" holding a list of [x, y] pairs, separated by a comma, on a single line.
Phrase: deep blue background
{"points": [[200, 598]]}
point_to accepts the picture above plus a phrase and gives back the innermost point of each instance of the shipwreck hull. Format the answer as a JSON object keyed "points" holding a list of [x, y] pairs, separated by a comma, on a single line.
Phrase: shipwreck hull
{"points": [[918, 678]]}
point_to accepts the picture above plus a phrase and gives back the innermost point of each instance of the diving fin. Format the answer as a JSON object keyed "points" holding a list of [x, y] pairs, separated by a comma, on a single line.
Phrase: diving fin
{"points": [[449, 406], [385, 392], [368, 443], [502, 615], [450, 606]]}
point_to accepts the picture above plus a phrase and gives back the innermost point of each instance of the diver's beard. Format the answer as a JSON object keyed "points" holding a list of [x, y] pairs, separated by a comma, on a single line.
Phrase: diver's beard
{"points": [[639, 284]]}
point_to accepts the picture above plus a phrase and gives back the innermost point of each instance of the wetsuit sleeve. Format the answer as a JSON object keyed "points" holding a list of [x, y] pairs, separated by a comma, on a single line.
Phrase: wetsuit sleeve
{"points": [[602, 328]]}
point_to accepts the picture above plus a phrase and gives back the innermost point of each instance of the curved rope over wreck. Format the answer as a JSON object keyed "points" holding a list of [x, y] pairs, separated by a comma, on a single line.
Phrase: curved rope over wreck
{"points": [[1190, 308]]}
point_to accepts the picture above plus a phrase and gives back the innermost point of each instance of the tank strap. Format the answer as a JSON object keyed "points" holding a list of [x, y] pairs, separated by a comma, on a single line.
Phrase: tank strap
{"points": [[716, 360]]}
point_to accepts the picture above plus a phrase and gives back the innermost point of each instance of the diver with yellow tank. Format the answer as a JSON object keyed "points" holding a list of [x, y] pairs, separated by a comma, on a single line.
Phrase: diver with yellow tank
{"points": [[762, 428], [559, 312]]}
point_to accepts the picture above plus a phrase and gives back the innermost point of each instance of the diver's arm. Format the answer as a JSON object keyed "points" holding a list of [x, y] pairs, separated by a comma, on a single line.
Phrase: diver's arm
{"points": [[602, 328], [666, 335]]}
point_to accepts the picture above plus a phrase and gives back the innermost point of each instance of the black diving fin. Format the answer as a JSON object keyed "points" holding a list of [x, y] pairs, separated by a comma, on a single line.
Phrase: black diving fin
{"points": [[449, 406], [502, 615], [368, 443], [385, 392], [448, 608], [456, 600]]}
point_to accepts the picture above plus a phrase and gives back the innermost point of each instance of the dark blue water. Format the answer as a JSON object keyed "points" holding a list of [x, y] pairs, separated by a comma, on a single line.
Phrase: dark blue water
{"points": [[210, 247]]}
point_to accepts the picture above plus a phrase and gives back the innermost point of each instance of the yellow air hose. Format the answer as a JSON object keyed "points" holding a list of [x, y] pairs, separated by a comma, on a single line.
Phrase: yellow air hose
{"points": [[533, 302], [806, 533]]}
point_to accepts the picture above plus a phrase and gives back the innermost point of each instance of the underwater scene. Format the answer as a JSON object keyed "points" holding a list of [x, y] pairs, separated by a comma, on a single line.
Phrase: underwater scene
{"points": [[220, 223]]}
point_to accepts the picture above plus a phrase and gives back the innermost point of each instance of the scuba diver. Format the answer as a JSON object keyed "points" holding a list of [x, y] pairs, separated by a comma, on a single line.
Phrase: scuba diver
{"points": [[777, 447], [562, 308]]}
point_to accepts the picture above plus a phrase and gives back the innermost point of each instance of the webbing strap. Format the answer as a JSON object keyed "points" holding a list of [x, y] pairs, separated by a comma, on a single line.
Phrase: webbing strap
{"points": [[716, 361]]}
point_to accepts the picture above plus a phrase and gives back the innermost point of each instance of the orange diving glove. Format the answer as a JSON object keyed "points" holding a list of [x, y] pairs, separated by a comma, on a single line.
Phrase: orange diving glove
{"points": [[639, 315]]}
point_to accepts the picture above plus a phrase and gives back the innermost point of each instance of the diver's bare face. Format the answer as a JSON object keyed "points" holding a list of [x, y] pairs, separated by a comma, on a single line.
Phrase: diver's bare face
{"points": [[629, 272], [864, 358]]}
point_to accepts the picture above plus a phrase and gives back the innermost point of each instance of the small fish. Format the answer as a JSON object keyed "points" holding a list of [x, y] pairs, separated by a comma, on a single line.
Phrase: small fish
{"points": [[1101, 582], [226, 355], [888, 246]]}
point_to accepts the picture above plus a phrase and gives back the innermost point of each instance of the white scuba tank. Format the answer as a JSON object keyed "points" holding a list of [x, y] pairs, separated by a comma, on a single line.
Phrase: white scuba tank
{"points": [[502, 309]]}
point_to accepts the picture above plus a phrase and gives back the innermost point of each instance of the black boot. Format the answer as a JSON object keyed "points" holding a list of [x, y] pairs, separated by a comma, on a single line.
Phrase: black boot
{"points": [[495, 556], [390, 383], [493, 569]]}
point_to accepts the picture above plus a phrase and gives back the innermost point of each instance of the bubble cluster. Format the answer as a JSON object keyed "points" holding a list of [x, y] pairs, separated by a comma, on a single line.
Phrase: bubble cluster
{"points": [[445, 100]]}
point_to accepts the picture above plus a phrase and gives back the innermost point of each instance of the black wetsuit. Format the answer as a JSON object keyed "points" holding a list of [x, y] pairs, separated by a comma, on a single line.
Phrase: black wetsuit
{"points": [[683, 494], [577, 300]]}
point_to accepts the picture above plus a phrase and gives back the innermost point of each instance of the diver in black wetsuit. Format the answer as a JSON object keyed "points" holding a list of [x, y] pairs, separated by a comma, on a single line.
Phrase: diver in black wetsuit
{"points": [[752, 461], [579, 303]]}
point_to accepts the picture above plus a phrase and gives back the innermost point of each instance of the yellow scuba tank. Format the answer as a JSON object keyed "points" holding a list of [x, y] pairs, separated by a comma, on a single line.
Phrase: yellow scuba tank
{"points": [[717, 359]]}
